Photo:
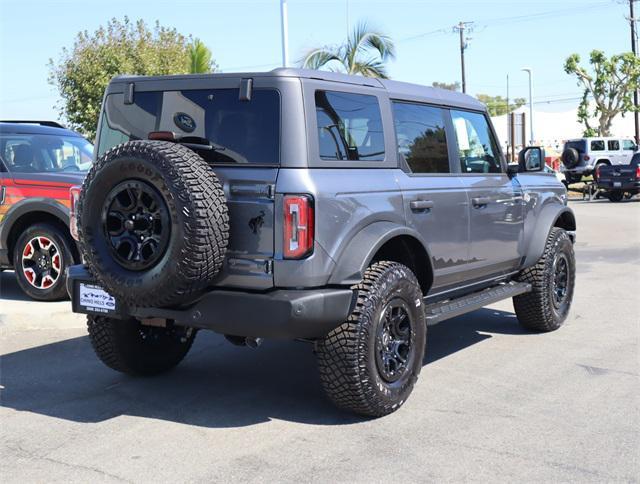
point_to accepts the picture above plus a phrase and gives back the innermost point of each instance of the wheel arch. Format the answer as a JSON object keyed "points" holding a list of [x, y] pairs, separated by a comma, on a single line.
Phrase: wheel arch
{"points": [[384, 241], [554, 216], [30, 212]]}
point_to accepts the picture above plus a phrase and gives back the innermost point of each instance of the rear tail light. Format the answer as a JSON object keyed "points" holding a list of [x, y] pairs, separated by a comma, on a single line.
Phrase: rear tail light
{"points": [[298, 226], [598, 171], [638, 172], [586, 158], [74, 197]]}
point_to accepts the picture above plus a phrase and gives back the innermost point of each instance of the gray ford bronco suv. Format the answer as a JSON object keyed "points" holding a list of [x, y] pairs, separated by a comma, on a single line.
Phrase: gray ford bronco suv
{"points": [[344, 211]]}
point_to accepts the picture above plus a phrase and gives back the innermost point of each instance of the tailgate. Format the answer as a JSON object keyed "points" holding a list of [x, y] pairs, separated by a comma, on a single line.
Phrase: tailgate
{"points": [[249, 192], [616, 176]]}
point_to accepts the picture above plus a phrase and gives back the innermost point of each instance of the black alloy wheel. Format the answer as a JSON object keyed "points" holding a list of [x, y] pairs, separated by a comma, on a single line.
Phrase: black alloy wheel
{"points": [[137, 224]]}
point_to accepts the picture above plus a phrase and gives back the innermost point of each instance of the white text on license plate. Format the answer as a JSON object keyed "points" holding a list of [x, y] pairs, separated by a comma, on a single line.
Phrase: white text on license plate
{"points": [[96, 299]]}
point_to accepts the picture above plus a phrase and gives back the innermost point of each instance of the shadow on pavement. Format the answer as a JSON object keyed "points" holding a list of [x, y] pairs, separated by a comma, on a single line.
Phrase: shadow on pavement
{"points": [[9, 288], [218, 385]]}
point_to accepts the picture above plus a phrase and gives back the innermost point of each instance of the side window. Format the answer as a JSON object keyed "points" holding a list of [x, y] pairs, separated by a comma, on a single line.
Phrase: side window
{"points": [[614, 145], [628, 145], [477, 147], [597, 145], [421, 137], [349, 126]]}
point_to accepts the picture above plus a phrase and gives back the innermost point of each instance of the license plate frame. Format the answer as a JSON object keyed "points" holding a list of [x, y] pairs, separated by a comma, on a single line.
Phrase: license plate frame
{"points": [[89, 298], [617, 184]]}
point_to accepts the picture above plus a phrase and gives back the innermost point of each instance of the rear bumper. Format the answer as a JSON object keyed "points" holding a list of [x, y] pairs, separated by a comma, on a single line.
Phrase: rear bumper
{"points": [[610, 185], [280, 313]]}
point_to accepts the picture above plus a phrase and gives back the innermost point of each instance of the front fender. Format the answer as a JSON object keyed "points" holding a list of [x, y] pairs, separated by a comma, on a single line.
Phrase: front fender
{"points": [[354, 260], [550, 216]]}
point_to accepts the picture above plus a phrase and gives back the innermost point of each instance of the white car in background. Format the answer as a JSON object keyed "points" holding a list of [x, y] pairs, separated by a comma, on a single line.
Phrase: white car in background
{"points": [[582, 156]]}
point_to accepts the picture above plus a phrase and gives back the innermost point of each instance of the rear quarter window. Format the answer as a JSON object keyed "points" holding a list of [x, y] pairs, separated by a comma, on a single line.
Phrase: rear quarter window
{"points": [[597, 145], [349, 126]]}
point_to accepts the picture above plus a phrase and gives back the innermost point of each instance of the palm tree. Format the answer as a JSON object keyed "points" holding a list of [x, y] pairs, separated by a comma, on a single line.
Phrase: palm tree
{"points": [[200, 58], [365, 52]]}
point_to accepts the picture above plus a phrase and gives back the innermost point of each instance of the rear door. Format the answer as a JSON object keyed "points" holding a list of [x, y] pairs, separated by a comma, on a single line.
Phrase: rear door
{"points": [[245, 154], [615, 152], [435, 202], [495, 199]]}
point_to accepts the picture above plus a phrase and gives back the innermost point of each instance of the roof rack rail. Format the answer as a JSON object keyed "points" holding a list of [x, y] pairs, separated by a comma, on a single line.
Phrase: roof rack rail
{"points": [[51, 124]]}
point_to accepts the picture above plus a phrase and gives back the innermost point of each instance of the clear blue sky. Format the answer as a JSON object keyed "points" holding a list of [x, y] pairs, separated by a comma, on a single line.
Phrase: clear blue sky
{"points": [[245, 35]]}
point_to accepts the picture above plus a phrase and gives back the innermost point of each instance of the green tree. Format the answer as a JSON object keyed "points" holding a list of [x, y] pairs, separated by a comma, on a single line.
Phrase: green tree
{"points": [[497, 105], [608, 88], [449, 86], [121, 47], [200, 58], [365, 52]]}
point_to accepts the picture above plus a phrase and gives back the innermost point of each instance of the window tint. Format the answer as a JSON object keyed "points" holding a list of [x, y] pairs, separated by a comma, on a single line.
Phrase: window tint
{"points": [[628, 145], [477, 147], [349, 126], [614, 145], [45, 153], [597, 145], [240, 131], [421, 136]]}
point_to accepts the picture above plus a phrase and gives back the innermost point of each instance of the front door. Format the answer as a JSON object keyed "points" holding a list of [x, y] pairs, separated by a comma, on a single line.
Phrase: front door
{"points": [[495, 199], [435, 201]]}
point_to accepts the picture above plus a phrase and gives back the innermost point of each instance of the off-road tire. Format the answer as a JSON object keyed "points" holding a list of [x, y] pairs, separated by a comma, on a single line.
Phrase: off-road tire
{"points": [[570, 157], [347, 355], [615, 196], [197, 214], [536, 310], [129, 347], [62, 241]]}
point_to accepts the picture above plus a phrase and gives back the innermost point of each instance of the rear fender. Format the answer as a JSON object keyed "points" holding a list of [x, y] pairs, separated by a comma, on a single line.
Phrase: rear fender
{"points": [[354, 260]]}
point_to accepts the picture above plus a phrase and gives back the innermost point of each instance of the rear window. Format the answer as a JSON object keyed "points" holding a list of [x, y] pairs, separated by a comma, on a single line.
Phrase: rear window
{"points": [[579, 145], [597, 145], [246, 132], [349, 126]]}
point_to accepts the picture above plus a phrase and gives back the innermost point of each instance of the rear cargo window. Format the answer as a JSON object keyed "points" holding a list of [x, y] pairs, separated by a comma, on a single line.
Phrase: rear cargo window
{"points": [[597, 145], [246, 132], [349, 126]]}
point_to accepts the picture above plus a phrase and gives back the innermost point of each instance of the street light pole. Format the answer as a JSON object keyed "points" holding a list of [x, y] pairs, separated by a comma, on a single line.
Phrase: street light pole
{"points": [[529, 71], [284, 22], [634, 45]]}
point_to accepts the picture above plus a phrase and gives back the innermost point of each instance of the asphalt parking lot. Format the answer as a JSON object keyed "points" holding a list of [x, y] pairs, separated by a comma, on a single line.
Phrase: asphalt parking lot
{"points": [[493, 402]]}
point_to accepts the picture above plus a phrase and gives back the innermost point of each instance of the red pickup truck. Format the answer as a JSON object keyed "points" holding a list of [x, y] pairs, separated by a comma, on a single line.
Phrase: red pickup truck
{"points": [[619, 181]]}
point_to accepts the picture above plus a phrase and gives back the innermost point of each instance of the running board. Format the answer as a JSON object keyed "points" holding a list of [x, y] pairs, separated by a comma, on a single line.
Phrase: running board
{"points": [[455, 307]]}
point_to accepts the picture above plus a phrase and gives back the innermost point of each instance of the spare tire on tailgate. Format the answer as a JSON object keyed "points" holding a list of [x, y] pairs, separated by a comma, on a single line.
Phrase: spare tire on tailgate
{"points": [[570, 157], [153, 223]]}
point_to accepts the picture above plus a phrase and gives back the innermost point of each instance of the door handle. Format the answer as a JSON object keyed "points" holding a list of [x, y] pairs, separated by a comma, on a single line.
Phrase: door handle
{"points": [[480, 202], [420, 205]]}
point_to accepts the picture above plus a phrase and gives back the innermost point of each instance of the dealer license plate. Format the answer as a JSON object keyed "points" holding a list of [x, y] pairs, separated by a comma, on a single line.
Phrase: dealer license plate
{"points": [[94, 299]]}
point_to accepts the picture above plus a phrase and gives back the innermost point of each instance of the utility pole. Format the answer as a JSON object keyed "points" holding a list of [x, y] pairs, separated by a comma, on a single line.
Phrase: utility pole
{"points": [[461, 27], [509, 158], [634, 46], [284, 23], [529, 71]]}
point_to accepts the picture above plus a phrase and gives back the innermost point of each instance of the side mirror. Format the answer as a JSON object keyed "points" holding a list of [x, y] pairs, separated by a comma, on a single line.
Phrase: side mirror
{"points": [[531, 159]]}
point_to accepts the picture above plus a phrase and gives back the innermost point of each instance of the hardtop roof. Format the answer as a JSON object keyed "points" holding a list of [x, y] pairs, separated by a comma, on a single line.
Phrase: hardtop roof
{"points": [[395, 89], [29, 128]]}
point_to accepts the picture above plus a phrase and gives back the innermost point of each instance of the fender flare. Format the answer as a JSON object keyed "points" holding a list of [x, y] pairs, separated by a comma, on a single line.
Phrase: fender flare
{"points": [[354, 260], [547, 219], [26, 206]]}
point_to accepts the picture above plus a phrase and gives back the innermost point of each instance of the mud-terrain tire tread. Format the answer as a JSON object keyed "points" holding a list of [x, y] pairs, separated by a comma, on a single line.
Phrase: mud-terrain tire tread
{"points": [[200, 198], [341, 354], [117, 345], [534, 309]]}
